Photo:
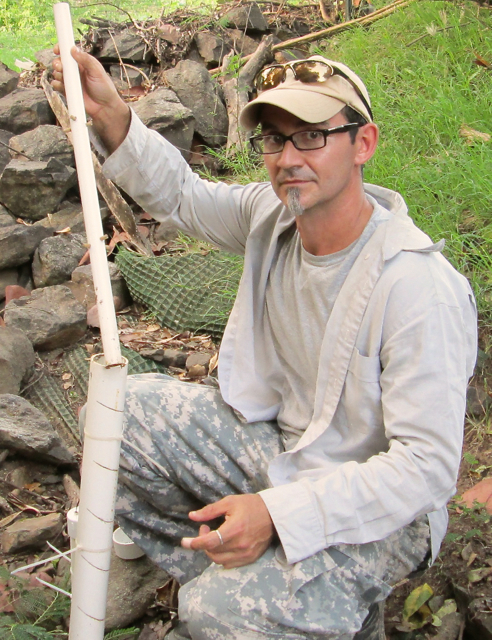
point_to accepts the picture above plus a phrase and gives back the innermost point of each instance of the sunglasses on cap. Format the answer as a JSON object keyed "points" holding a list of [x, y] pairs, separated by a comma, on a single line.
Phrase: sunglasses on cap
{"points": [[307, 72]]}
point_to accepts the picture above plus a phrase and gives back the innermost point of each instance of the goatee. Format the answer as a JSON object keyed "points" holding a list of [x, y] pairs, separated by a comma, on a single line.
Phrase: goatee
{"points": [[294, 201]]}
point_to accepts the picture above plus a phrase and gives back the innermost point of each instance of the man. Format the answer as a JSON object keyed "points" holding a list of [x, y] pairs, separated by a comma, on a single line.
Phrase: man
{"points": [[290, 502]]}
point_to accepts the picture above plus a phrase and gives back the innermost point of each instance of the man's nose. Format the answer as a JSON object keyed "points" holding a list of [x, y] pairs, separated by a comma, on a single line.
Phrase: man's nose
{"points": [[290, 156]]}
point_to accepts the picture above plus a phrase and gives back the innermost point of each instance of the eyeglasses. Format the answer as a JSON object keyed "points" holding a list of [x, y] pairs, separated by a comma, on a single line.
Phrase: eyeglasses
{"points": [[306, 71], [302, 140]]}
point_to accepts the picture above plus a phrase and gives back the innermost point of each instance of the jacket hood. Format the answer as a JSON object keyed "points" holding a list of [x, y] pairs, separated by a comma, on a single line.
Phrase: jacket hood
{"points": [[390, 200]]}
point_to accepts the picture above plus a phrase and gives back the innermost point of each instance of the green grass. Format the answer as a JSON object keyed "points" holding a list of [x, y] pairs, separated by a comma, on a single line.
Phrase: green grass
{"points": [[422, 93]]}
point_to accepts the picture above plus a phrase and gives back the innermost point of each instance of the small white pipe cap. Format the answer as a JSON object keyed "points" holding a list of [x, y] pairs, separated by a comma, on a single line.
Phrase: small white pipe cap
{"points": [[124, 547]]}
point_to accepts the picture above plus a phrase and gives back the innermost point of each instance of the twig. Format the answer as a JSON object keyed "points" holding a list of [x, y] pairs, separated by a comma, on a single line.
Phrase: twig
{"points": [[115, 201], [110, 4], [4, 144], [119, 58], [424, 35], [365, 20]]}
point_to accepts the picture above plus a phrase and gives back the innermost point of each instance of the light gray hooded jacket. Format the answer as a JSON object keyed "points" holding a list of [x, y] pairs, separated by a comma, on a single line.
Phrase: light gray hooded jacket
{"points": [[384, 443]]}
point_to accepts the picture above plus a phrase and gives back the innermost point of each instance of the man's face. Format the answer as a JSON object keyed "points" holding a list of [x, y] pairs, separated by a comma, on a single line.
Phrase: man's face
{"points": [[317, 178]]}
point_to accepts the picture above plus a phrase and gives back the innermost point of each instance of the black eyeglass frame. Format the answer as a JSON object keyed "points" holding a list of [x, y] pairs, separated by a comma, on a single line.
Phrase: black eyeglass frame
{"points": [[326, 133], [335, 71]]}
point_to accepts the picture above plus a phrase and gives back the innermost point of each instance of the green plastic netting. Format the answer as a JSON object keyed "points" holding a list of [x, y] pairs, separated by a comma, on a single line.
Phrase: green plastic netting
{"points": [[60, 405], [192, 292]]}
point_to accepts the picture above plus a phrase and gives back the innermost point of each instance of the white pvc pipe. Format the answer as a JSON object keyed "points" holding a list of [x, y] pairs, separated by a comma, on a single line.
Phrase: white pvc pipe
{"points": [[94, 534], [107, 385], [87, 184]]}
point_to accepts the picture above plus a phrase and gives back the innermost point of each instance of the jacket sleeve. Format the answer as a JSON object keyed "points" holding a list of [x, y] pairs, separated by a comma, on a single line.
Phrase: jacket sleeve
{"points": [[427, 354], [153, 172]]}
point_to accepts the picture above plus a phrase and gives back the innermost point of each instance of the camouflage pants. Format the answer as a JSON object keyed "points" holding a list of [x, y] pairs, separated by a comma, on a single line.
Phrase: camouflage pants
{"points": [[188, 448]]}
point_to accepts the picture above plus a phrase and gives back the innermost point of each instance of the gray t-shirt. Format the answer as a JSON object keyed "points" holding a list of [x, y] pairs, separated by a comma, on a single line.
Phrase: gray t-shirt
{"points": [[300, 294]]}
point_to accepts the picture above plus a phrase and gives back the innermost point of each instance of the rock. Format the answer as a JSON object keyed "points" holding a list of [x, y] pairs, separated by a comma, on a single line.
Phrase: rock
{"points": [[42, 143], [5, 157], [14, 292], [19, 242], [6, 219], [9, 80], [82, 286], [130, 47], [8, 277], [50, 317], [197, 371], [56, 258], [198, 91], [25, 430], [25, 109], [169, 33], [16, 359], [481, 493], [247, 16], [480, 620], [20, 476], [450, 628], [31, 533], [130, 74], [32, 189], [132, 589], [198, 358], [70, 216], [174, 358], [161, 110], [211, 48], [241, 43], [45, 57]]}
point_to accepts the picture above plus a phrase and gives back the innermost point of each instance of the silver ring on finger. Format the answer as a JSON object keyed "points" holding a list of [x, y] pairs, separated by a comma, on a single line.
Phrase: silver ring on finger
{"points": [[220, 536]]}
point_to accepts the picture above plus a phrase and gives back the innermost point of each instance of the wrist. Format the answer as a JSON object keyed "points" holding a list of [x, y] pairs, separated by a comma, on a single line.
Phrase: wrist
{"points": [[112, 124]]}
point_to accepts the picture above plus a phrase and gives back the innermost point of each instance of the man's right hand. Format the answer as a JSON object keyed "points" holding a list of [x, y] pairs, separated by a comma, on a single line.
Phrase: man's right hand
{"points": [[111, 116]]}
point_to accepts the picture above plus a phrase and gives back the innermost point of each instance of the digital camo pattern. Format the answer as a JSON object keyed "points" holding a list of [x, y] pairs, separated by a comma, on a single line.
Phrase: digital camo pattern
{"points": [[194, 450]]}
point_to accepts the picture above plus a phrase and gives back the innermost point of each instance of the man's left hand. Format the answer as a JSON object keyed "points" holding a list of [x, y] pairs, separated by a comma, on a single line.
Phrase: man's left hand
{"points": [[246, 533]]}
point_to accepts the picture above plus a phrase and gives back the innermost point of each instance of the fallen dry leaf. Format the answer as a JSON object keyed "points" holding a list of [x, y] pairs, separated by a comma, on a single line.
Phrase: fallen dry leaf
{"points": [[63, 231], [66, 376], [482, 62], [212, 365], [67, 385], [471, 135]]}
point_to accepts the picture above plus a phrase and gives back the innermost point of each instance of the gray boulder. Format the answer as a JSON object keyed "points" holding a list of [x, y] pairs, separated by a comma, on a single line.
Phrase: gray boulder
{"points": [[25, 109], [25, 429], [161, 110], [247, 17], [32, 533], [70, 216], [56, 258], [32, 189], [42, 143], [132, 588], [9, 80], [131, 74], [16, 359], [82, 286], [198, 92], [6, 219], [130, 47], [241, 43], [211, 48], [5, 156], [50, 317], [19, 242]]}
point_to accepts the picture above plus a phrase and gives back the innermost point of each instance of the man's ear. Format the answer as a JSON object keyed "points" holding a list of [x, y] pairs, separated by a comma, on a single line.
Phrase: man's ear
{"points": [[366, 141]]}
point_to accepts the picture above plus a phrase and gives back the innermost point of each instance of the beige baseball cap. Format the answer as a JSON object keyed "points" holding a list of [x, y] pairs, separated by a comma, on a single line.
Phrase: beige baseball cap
{"points": [[312, 102]]}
